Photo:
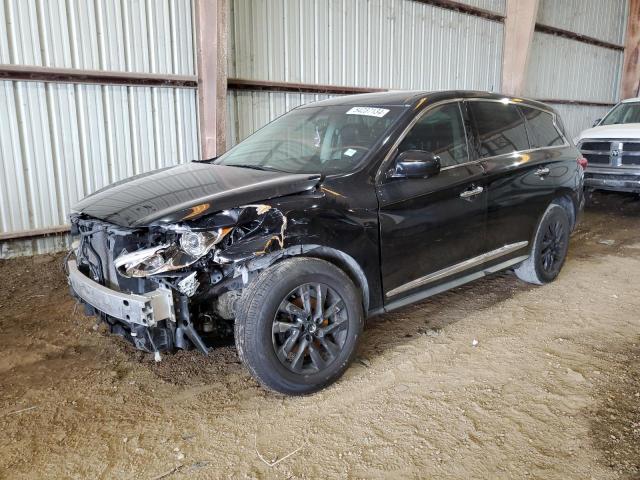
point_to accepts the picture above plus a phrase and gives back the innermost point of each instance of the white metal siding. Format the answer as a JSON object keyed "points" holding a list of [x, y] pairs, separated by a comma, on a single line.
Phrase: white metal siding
{"points": [[577, 118], [60, 142], [497, 6], [35, 246], [248, 111], [152, 36], [366, 43], [602, 19], [398, 44], [565, 69]]}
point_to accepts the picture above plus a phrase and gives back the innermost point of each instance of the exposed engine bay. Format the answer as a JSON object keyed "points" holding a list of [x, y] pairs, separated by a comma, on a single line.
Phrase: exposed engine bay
{"points": [[188, 275]]}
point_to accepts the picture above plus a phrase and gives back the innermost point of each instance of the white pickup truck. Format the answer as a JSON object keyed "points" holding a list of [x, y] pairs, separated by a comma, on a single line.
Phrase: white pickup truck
{"points": [[612, 148]]}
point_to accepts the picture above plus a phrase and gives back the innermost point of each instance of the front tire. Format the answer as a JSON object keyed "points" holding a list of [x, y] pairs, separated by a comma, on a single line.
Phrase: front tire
{"points": [[298, 325], [549, 250]]}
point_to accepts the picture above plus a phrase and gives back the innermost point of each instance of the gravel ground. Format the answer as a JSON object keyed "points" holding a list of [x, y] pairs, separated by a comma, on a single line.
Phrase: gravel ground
{"points": [[550, 391]]}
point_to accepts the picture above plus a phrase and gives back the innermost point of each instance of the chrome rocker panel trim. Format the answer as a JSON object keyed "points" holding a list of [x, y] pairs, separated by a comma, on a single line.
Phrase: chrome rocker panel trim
{"points": [[457, 268], [430, 292], [146, 309]]}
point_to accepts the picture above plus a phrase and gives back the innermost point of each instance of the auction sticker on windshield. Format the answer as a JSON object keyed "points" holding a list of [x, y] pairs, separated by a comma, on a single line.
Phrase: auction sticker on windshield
{"points": [[368, 111]]}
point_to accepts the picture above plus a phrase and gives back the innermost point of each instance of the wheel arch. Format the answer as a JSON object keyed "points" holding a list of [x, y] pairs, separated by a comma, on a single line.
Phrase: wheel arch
{"points": [[566, 201], [340, 259], [347, 264]]}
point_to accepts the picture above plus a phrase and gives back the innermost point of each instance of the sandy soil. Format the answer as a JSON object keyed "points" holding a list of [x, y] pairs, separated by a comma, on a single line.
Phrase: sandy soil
{"points": [[552, 390]]}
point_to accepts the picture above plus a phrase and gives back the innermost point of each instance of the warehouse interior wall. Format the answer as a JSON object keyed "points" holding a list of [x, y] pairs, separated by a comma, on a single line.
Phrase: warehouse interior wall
{"points": [[570, 70], [386, 44], [409, 44], [63, 140]]}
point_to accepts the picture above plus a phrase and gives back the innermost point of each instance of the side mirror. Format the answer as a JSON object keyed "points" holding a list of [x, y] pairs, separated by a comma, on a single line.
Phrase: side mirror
{"points": [[416, 164], [595, 124]]}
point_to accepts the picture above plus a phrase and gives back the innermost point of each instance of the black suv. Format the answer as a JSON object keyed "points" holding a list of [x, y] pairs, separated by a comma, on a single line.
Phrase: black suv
{"points": [[334, 212]]}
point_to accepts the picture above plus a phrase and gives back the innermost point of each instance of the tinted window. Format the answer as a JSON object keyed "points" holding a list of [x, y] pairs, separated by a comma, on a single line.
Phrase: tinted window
{"points": [[441, 132], [542, 131], [499, 128]]}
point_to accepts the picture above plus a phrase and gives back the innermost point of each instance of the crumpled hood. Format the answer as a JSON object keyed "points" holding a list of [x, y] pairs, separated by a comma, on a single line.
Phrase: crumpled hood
{"points": [[622, 131], [188, 191]]}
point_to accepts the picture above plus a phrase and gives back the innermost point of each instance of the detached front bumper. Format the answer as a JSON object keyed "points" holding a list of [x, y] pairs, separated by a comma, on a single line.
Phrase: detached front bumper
{"points": [[621, 180], [145, 309]]}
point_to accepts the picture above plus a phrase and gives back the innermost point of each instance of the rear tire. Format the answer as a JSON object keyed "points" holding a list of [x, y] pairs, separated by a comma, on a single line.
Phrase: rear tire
{"points": [[298, 324], [549, 249]]}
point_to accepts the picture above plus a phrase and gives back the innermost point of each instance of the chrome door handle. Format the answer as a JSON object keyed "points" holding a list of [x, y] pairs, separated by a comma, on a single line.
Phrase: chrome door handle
{"points": [[541, 172], [472, 193]]}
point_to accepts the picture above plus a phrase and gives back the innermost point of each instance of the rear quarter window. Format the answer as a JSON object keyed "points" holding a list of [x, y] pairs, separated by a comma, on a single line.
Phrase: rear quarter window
{"points": [[542, 130]]}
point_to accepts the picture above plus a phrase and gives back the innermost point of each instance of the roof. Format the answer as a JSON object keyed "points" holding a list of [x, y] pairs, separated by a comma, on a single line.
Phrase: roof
{"points": [[410, 98], [631, 100]]}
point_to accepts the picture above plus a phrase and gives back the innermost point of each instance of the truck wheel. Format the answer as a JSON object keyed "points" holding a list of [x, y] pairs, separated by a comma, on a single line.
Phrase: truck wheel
{"points": [[298, 324], [549, 249]]}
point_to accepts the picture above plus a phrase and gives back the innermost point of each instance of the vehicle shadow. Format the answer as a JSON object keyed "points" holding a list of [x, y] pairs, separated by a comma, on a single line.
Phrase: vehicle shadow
{"points": [[430, 316]]}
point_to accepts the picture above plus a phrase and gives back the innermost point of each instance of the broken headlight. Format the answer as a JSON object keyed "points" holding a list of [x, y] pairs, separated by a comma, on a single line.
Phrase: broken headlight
{"points": [[190, 247], [197, 244]]}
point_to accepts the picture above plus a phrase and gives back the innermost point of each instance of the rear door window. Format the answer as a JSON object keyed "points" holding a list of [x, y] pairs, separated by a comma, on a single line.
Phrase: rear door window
{"points": [[542, 130], [499, 128]]}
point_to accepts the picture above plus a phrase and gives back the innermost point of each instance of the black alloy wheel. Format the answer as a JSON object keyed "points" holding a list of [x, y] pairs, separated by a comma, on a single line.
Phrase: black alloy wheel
{"points": [[310, 328], [553, 246], [298, 324], [549, 250]]}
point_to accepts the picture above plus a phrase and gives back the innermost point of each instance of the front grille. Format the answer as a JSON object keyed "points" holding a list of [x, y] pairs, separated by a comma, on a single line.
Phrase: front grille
{"points": [[94, 253], [100, 244], [631, 147], [597, 159], [631, 160], [614, 153], [596, 146]]}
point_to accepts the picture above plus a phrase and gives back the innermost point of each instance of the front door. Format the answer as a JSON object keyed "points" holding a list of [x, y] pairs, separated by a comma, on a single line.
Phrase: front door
{"points": [[432, 229]]}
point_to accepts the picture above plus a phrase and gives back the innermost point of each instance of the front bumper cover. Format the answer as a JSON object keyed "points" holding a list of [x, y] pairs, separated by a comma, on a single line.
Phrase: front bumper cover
{"points": [[142, 309]]}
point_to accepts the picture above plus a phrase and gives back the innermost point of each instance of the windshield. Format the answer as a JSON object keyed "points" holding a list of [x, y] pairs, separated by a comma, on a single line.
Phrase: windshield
{"points": [[623, 113], [330, 139]]}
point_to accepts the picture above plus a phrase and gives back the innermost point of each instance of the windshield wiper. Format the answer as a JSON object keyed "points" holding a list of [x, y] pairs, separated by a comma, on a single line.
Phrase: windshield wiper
{"points": [[255, 167]]}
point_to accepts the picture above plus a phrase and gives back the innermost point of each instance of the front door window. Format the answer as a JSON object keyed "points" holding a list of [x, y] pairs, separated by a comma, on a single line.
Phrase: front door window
{"points": [[440, 131]]}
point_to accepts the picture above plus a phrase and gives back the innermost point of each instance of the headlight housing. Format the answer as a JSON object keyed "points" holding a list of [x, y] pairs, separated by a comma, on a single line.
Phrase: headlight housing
{"points": [[189, 248], [197, 244]]}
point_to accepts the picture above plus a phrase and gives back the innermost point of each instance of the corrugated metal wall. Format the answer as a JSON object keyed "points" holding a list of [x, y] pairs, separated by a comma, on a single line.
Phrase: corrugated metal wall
{"points": [[400, 44], [577, 118], [60, 142], [497, 6], [602, 19], [248, 111], [565, 69]]}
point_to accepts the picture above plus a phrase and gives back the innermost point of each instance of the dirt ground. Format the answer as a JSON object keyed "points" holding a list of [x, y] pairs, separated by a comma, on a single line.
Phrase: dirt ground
{"points": [[551, 391]]}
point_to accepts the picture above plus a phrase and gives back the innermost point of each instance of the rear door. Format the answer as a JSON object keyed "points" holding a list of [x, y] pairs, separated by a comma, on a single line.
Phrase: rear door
{"points": [[521, 176], [430, 227]]}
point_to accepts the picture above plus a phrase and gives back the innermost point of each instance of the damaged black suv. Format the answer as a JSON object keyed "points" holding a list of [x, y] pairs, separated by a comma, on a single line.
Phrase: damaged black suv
{"points": [[334, 212]]}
